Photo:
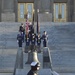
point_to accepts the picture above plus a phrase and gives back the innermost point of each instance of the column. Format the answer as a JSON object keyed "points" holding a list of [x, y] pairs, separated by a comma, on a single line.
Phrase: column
{"points": [[35, 8], [16, 9], [51, 8], [8, 10], [69, 11], [35, 15], [45, 5], [74, 12], [7, 5], [0, 9]]}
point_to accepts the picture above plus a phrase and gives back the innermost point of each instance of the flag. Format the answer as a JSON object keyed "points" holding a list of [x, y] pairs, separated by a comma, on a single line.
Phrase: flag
{"points": [[27, 26]]}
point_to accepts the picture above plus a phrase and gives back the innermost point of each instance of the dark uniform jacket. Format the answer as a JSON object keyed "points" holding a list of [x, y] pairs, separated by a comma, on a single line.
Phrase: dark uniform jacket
{"points": [[21, 29], [45, 40], [20, 40], [38, 40], [33, 39], [30, 72], [27, 40]]}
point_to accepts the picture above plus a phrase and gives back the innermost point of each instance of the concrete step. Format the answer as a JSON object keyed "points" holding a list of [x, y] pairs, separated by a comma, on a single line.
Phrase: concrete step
{"points": [[40, 72], [64, 69], [7, 70], [61, 37], [8, 34], [66, 73], [6, 73], [7, 60], [63, 60]]}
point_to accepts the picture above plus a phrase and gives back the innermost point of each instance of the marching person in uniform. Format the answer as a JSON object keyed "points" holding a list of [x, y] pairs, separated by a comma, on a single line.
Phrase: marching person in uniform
{"points": [[22, 30], [35, 66], [20, 39], [31, 31], [33, 39], [27, 39], [38, 39], [30, 36], [45, 39], [31, 28]]}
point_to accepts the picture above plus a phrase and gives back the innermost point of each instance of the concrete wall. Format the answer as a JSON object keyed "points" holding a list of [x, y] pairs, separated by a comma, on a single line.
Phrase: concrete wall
{"points": [[47, 5], [16, 10], [60, 1], [74, 12], [70, 10], [9, 8], [7, 5], [25, 1], [45, 17], [8, 13], [35, 8], [0, 9], [43, 6]]}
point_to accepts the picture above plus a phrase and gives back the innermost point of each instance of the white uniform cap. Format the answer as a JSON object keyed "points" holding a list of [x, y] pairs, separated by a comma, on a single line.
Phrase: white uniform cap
{"points": [[32, 34], [33, 63]]}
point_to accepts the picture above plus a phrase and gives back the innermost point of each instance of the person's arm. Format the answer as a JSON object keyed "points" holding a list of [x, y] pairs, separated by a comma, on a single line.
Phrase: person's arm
{"points": [[17, 37], [20, 28], [25, 37], [42, 37], [47, 37]]}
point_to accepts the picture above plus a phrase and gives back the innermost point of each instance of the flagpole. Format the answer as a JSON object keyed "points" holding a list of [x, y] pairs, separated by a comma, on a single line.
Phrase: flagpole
{"points": [[37, 21], [27, 23]]}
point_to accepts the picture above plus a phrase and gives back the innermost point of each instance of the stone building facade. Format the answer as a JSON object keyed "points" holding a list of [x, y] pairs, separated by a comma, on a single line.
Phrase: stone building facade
{"points": [[15, 10]]}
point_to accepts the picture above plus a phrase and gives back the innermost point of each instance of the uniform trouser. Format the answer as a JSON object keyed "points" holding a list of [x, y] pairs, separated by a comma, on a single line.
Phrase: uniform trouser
{"points": [[23, 37], [20, 43], [27, 43], [33, 43], [44, 43], [38, 44]]}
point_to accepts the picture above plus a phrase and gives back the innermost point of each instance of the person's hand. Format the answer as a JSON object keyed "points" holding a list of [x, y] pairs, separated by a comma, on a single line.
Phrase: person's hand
{"points": [[17, 41]]}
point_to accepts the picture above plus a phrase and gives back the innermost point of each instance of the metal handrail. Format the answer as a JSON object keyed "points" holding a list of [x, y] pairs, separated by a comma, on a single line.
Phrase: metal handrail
{"points": [[50, 60], [48, 55], [17, 62]]}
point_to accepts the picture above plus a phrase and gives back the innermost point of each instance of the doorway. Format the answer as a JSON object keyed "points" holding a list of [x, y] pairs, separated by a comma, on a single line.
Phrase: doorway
{"points": [[24, 9], [60, 11]]}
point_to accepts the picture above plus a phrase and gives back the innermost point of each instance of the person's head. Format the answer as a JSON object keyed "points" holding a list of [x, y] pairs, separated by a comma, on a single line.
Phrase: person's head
{"points": [[30, 23], [45, 32], [22, 24], [32, 34], [35, 66], [38, 34]]}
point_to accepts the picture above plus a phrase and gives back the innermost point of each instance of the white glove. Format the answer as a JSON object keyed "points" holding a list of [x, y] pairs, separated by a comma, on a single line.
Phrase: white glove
{"points": [[17, 41]]}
